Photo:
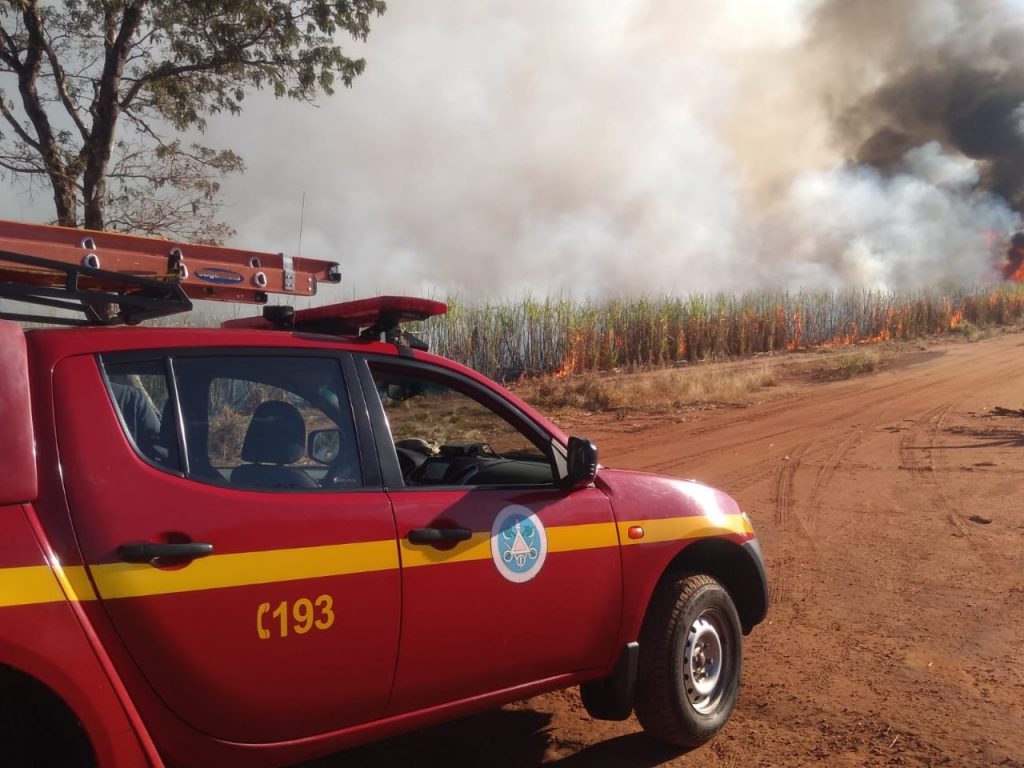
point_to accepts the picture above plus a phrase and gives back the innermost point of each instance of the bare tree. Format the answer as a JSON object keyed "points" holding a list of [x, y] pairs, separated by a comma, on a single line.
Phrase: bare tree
{"points": [[91, 89]]}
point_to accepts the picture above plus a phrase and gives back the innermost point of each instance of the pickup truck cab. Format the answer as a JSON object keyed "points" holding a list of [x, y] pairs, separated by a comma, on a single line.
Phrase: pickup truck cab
{"points": [[256, 544]]}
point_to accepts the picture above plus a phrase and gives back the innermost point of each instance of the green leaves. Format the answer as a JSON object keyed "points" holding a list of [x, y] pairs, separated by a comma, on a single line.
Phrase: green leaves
{"points": [[214, 51], [141, 66]]}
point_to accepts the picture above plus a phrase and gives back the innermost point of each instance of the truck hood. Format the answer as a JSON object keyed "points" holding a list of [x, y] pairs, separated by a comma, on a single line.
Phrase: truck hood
{"points": [[644, 495]]}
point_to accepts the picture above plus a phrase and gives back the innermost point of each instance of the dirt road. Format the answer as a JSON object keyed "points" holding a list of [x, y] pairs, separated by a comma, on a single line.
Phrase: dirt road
{"points": [[890, 511]]}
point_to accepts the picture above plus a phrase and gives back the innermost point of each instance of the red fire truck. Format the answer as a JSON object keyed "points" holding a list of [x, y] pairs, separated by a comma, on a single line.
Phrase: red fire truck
{"points": [[259, 543]]}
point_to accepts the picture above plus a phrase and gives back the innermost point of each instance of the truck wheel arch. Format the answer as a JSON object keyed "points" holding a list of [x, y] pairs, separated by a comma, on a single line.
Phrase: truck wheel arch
{"points": [[734, 567], [37, 727]]}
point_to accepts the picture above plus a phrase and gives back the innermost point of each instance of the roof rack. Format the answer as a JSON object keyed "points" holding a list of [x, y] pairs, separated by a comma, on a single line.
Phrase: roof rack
{"points": [[113, 278], [103, 297], [364, 318]]}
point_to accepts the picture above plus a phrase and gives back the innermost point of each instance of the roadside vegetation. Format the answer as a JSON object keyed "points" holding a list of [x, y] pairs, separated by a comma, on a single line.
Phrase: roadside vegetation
{"points": [[563, 354], [650, 391], [855, 364], [558, 336]]}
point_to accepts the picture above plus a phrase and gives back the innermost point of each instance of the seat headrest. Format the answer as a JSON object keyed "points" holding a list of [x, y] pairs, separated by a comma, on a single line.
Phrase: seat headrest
{"points": [[276, 434]]}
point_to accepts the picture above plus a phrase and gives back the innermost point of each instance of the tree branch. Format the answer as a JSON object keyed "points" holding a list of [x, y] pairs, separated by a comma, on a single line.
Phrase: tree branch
{"points": [[9, 50], [106, 107], [31, 169], [62, 90], [22, 133], [166, 70], [63, 192]]}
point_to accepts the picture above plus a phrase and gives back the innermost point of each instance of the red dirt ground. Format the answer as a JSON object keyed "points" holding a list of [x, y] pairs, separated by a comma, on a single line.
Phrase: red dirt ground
{"points": [[889, 510]]}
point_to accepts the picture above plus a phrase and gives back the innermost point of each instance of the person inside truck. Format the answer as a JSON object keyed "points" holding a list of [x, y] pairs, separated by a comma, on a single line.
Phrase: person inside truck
{"points": [[140, 418]]}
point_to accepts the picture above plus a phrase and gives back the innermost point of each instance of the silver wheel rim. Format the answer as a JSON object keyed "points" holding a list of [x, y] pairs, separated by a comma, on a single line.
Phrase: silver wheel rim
{"points": [[706, 664]]}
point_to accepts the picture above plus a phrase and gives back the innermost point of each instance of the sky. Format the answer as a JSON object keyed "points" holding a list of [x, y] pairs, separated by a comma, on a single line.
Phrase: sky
{"points": [[498, 148]]}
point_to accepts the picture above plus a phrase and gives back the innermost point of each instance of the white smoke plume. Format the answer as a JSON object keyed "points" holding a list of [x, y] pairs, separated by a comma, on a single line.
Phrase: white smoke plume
{"points": [[501, 147], [854, 226]]}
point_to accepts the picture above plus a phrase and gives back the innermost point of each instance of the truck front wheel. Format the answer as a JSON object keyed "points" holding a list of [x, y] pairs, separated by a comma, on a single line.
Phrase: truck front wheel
{"points": [[691, 648]]}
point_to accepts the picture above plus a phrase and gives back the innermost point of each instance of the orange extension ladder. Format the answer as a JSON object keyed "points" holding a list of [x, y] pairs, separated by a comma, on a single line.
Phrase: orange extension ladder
{"points": [[141, 277]]}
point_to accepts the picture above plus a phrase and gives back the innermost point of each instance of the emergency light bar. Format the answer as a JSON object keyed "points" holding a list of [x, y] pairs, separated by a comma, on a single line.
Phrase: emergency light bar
{"points": [[367, 318]]}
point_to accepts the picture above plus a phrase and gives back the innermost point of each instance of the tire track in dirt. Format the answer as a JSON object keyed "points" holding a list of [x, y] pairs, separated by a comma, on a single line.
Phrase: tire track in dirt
{"points": [[952, 514], [825, 473], [921, 438], [778, 585], [783, 495], [782, 484], [918, 454]]}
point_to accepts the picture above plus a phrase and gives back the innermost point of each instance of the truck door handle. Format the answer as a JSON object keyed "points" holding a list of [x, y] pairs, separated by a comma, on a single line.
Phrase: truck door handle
{"points": [[439, 535], [147, 552]]}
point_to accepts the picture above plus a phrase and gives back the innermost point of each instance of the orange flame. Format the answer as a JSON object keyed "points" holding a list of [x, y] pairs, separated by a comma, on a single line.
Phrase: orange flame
{"points": [[798, 330], [572, 360]]}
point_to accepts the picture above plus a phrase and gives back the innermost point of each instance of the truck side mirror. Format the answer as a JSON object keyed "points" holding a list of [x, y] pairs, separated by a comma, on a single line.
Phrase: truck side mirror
{"points": [[581, 466], [323, 445]]}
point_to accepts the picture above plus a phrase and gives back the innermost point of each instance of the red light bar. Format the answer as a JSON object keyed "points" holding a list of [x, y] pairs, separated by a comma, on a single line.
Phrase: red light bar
{"points": [[348, 318]]}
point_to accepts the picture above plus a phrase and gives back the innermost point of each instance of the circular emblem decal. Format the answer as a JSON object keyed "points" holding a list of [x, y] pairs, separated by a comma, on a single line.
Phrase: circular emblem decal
{"points": [[519, 543]]}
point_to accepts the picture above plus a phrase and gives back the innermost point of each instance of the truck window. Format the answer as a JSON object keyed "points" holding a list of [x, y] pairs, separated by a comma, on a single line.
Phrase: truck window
{"points": [[139, 391], [445, 437], [258, 423]]}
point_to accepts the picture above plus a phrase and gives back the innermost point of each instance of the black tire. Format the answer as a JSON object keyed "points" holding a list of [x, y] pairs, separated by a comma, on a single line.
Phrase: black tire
{"points": [[691, 651], [37, 729]]}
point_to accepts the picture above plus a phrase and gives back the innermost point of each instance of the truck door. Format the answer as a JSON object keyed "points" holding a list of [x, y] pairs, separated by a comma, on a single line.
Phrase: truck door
{"points": [[506, 578], [236, 534]]}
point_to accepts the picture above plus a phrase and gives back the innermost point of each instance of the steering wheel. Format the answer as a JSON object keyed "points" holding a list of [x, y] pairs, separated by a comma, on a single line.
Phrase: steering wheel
{"points": [[464, 475], [341, 472]]}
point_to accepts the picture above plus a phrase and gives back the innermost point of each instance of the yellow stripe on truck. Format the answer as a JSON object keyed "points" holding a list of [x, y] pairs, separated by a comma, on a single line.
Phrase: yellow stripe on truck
{"points": [[562, 538], [569, 538], [34, 584], [680, 528], [74, 580], [116, 580], [477, 547], [30, 585]]}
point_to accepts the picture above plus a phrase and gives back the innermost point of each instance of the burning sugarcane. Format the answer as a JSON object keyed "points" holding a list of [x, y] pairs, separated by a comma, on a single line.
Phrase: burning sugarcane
{"points": [[1013, 267]]}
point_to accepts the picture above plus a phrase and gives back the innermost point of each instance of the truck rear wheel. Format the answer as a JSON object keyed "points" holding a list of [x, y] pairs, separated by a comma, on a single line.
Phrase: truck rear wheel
{"points": [[37, 729], [691, 648]]}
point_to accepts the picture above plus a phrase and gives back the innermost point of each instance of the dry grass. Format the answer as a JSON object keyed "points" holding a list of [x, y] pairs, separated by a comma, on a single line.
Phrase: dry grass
{"points": [[443, 417], [855, 364], [656, 390], [971, 332]]}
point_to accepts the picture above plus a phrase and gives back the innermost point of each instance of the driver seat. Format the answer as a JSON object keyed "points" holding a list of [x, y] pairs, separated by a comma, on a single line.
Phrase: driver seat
{"points": [[275, 438]]}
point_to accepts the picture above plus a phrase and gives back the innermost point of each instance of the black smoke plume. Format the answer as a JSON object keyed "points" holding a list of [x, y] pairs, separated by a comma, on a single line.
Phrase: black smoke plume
{"points": [[918, 71]]}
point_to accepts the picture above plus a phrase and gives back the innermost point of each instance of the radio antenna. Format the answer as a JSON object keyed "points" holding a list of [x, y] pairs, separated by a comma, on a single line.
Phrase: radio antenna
{"points": [[302, 218]]}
